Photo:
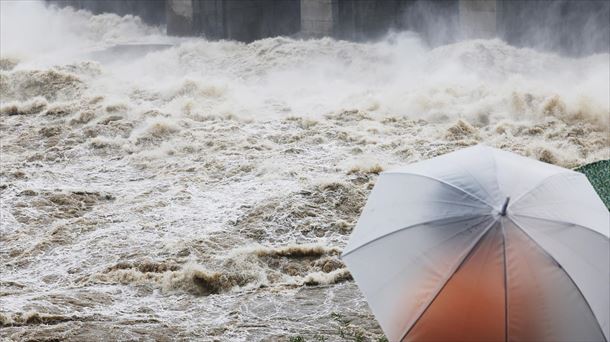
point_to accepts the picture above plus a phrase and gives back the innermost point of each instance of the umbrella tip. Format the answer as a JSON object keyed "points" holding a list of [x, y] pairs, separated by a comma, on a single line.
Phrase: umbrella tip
{"points": [[504, 207]]}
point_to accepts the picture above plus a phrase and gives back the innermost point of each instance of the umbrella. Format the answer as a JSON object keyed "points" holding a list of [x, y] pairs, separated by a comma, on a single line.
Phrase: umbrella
{"points": [[484, 245]]}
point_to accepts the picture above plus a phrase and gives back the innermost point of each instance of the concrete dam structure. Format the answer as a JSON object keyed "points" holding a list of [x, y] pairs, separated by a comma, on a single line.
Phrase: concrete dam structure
{"points": [[571, 27]]}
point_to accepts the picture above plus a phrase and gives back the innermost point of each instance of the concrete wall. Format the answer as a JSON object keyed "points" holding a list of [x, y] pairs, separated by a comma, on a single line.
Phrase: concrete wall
{"points": [[209, 19], [576, 27], [477, 18], [367, 19], [319, 17], [180, 17], [242, 20], [151, 11], [248, 20], [436, 21]]}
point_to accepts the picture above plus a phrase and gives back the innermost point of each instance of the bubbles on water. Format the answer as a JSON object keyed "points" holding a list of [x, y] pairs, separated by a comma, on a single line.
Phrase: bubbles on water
{"points": [[146, 189]]}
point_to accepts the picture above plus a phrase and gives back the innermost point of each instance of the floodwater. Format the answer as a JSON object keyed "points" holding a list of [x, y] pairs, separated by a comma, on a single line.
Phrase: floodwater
{"points": [[157, 188]]}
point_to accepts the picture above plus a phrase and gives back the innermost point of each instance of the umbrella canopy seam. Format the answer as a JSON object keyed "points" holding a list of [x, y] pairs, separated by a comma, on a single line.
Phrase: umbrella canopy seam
{"points": [[445, 183], [603, 333], [520, 197], [561, 222], [505, 282], [460, 217], [575, 253], [495, 163], [437, 242], [471, 248], [477, 180], [432, 247]]}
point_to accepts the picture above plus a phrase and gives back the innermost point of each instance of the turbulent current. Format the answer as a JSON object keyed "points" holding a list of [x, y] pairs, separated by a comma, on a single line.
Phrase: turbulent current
{"points": [[158, 188]]}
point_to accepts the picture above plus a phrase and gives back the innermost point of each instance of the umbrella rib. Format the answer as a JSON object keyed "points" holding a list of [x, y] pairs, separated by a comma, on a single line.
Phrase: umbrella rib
{"points": [[461, 204], [477, 181], [505, 283], [461, 217], [451, 274], [445, 183], [495, 160], [560, 222], [539, 185], [565, 272], [595, 267], [392, 277]]}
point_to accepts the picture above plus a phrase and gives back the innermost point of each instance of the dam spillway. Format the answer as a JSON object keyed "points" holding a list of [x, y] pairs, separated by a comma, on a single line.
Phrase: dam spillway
{"points": [[557, 26], [161, 187]]}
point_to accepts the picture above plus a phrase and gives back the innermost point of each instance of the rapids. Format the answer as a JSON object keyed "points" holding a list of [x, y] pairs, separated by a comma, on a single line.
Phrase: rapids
{"points": [[156, 187]]}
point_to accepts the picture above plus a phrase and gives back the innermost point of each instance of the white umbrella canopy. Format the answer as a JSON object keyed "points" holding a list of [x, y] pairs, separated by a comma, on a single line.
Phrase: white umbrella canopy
{"points": [[484, 245]]}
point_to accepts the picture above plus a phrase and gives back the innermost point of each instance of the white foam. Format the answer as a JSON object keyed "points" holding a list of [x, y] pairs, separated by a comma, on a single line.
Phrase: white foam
{"points": [[246, 165]]}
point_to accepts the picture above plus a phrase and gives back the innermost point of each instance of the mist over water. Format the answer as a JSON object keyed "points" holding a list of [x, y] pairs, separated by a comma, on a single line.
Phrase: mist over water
{"points": [[164, 187]]}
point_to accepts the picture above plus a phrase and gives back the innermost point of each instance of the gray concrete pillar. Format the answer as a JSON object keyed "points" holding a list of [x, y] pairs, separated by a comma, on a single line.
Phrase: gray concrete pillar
{"points": [[319, 17], [210, 19], [478, 18], [180, 17]]}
